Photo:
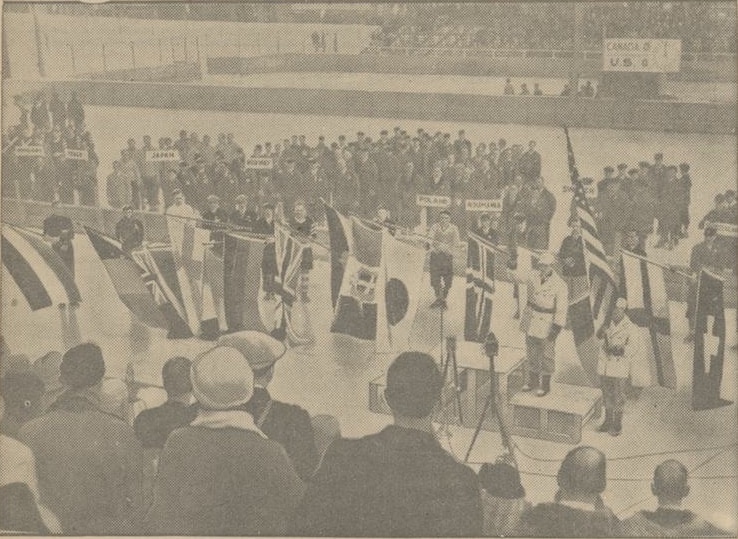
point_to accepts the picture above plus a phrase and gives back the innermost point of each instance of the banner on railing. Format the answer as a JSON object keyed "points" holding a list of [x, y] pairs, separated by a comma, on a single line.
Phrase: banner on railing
{"points": [[433, 201], [260, 163], [162, 155], [75, 155], [29, 151], [490, 204]]}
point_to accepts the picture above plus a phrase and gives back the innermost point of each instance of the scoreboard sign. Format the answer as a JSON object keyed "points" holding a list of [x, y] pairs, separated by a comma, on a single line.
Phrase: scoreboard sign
{"points": [[433, 201], [260, 163], [642, 55]]}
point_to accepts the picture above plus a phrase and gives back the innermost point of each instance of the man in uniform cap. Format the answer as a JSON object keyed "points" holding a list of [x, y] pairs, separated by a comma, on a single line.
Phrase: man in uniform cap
{"points": [[220, 475], [607, 180], [242, 216], [485, 229], [710, 255], [621, 348], [285, 423], [215, 219], [89, 463], [542, 320], [129, 231], [578, 509]]}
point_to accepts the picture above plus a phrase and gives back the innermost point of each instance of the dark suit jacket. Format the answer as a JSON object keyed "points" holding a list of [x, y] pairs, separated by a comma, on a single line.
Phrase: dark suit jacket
{"points": [[289, 425], [396, 483]]}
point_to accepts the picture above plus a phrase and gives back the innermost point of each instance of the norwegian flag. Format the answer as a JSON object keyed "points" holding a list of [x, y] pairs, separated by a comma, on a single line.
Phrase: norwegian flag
{"points": [[480, 286]]}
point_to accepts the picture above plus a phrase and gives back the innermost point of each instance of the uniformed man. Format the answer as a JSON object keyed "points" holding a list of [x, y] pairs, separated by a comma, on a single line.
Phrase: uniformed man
{"points": [[485, 229], [709, 255], [620, 348], [607, 180], [265, 225], [573, 265], [214, 218], [129, 231], [59, 231], [543, 318], [304, 225], [538, 205], [242, 217], [444, 238]]}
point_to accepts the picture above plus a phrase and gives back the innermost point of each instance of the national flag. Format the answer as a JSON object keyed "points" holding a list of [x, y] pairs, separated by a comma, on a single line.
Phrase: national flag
{"points": [[709, 343], [242, 257], [40, 273], [644, 287], [403, 263], [289, 249], [362, 288], [182, 235], [480, 287], [338, 239], [140, 285]]}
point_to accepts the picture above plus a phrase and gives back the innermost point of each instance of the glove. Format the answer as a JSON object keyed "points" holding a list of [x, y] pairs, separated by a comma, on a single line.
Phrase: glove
{"points": [[555, 330]]}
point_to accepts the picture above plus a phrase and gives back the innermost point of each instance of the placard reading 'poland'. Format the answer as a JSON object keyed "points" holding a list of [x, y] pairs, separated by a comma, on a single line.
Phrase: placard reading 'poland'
{"points": [[260, 163], [75, 155], [492, 204], [29, 151], [642, 55], [433, 201], [726, 230], [162, 155]]}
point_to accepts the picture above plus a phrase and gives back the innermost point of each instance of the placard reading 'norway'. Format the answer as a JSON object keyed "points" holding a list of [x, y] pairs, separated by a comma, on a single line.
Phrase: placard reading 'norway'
{"points": [[642, 55], [260, 163], [433, 201], [492, 204], [162, 155]]}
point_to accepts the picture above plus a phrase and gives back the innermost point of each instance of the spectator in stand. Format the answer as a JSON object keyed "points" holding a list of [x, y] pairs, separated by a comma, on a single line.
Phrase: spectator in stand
{"points": [[524, 89], [129, 231], [23, 392], [153, 426], [529, 164], [285, 423], [398, 482], [220, 475], [566, 90], [118, 188], [537, 89], [503, 499], [265, 225], [538, 205], [89, 463], [587, 90], [578, 509], [75, 111], [304, 226], [670, 486], [509, 89]]}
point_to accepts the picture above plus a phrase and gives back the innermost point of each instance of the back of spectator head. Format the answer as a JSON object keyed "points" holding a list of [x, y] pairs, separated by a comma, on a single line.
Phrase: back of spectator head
{"points": [[582, 473], [260, 350], [222, 379], [413, 385], [82, 366], [22, 392], [670, 484], [176, 377]]}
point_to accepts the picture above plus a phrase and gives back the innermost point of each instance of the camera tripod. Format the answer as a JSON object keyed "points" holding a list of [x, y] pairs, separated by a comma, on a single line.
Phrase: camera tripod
{"points": [[451, 360]]}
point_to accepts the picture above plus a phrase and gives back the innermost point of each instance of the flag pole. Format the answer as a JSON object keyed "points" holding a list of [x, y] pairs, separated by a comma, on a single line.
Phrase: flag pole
{"points": [[658, 264]]}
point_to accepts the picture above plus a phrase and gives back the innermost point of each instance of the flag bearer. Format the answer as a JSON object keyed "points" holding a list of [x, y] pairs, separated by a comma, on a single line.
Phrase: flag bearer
{"points": [[620, 348], [543, 318]]}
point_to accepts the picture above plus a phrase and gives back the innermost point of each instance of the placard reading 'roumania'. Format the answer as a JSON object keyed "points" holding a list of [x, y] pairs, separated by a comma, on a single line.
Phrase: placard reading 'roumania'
{"points": [[162, 155], [260, 163], [491, 204], [433, 201], [29, 151]]}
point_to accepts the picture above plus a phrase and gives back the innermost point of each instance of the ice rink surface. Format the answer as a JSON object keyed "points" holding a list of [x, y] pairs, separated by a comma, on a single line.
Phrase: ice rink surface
{"points": [[332, 375]]}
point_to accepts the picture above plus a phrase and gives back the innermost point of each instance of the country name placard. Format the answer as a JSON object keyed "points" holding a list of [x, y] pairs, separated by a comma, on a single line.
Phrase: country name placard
{"points": [[29, 151], [589, 190], [488, 204], [75, 155], [433, 201], [162, 155], [726, 230], [260, 163]]}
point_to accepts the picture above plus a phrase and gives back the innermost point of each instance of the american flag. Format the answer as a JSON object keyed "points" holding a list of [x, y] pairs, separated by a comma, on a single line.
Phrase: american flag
{"points": [[603, 284]]}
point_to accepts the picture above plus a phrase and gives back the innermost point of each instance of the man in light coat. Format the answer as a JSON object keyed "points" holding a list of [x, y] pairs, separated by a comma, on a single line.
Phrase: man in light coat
{"points": [[543, 318], [621, 348]]}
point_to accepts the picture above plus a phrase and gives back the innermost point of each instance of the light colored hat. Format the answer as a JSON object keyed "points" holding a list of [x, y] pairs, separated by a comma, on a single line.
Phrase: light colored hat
{"points": [[113, 396], [259, 349], [48, 368], [621, 303], [222, 378], [546, 258]]}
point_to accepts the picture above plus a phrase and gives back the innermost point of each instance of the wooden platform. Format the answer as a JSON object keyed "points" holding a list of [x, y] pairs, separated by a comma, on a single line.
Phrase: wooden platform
{"points": [[559, 416]]}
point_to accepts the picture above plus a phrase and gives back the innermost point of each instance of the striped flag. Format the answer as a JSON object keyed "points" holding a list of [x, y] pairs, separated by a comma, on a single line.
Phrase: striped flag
{"points": [[242, 257], [339, 243], [480, 286], [140, 285], [589, 314], [648, 308], [37, 269], [709, 344]]}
